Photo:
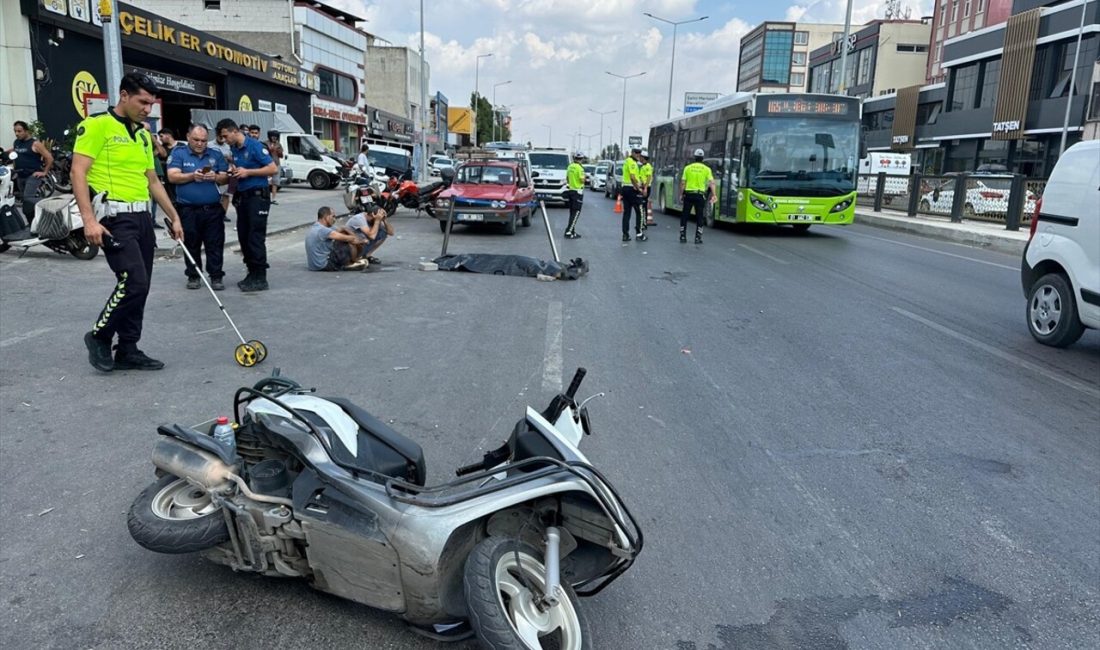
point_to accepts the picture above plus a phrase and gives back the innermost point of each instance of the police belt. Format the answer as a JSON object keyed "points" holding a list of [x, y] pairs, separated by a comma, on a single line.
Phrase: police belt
{"points": [[199, 206], [259, 191], [115, 208]]}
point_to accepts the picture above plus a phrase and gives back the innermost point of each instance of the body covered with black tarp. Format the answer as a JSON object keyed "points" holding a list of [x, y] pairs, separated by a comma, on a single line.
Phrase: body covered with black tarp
{"points": [[512, 265]]}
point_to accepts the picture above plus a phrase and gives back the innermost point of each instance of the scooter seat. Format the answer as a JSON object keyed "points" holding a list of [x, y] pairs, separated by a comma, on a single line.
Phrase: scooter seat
{"points": [[382, 442]]}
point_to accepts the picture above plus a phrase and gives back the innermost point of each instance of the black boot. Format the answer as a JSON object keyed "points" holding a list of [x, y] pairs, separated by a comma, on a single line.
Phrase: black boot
{"points": [[698, 236], [683, 236], [626, 236], [259, 282], [99, 353], [247, 281]]}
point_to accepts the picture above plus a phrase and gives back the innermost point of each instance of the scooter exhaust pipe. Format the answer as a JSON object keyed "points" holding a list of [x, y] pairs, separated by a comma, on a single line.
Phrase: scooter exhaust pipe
{"points": [[185, 461]]}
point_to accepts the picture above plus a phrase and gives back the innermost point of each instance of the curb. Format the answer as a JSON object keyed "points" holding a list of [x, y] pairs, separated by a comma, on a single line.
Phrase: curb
{"points": [[990, 241], [165, 245]]}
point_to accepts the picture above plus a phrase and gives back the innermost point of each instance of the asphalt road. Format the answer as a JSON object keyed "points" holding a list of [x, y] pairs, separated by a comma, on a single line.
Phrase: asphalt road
{"points": [[839, 439]]}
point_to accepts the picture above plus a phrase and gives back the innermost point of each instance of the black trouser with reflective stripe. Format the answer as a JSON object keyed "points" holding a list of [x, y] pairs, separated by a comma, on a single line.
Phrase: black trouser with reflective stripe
{"points": [[203, 227], [632, 201], [133, 267], [576, 202], [696, 201], [252, 210]]}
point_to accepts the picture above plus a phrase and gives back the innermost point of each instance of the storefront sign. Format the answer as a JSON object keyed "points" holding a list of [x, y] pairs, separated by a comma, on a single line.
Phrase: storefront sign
{"points": [[900, 139], [175, 83], [280, 108], [1007, 126], [263, 105], [338, 115], [388, 126], [851, 44], [83, 84], [459, 120], [175, 39], [245, 104]]}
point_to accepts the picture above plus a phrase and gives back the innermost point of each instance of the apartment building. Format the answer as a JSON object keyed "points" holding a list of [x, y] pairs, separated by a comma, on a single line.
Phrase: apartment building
{"points": [[775, 55]]}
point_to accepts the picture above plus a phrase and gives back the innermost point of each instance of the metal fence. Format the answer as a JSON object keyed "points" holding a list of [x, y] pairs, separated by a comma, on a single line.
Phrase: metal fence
{"points": [[1009, 199]]}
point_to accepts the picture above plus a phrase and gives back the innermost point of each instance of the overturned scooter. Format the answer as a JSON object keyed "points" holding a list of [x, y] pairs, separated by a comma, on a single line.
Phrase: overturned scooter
{"points": [[57, 224], [320, 489]]}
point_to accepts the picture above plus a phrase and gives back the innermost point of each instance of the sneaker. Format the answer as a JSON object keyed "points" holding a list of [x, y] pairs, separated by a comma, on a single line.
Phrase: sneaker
{"points": [[274, 202], [641, 237], [374, 260], [193, 283], [698, 237], [626, 237], [683, 237], [217, 285], [572, 235], [136, 360], [357, 264], [99, 353]]}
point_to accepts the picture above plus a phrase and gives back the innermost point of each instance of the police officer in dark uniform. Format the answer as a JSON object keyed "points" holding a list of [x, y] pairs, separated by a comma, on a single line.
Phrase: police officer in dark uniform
{"points": [[253, 167], [196, 172]]}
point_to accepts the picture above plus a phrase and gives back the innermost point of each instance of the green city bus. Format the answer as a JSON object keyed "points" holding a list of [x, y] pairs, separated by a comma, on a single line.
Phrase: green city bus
{"points": [[777, 158]]}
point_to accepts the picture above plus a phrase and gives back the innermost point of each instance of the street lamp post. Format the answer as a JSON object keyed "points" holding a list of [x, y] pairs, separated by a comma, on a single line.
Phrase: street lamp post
{"points": [[601, 114], [549, 136], [477, 95], [495, 113], [843, 87], [423, 104], [622, 121], [672, 67]]}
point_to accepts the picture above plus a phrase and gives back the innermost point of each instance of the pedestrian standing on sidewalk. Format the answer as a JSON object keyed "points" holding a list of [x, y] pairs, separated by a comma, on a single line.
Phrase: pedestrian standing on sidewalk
{"points": [[645, 174], [631, 194], [695, 182], [253, 166], [114, 154], [32, 165], [574, 193], [196, 172], [275, 148]]}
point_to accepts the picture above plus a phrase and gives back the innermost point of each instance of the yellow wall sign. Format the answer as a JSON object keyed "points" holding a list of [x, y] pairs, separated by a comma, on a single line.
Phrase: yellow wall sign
{"points": [[83, 83], [245, 104]]}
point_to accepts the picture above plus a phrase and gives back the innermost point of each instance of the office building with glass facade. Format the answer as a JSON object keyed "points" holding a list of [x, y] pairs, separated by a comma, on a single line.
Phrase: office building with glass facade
{"points": [[775, 55]]}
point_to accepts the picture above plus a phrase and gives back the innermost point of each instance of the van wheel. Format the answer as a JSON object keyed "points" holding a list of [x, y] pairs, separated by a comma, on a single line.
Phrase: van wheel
{"points": [[1052, 312], [318, 180]]}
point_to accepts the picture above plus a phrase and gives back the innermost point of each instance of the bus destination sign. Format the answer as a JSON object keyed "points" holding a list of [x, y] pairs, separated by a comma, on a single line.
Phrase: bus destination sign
{"points": [[806, 107]]}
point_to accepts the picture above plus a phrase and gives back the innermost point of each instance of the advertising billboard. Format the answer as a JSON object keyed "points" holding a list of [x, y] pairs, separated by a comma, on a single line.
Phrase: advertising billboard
{"points": [[695, 101]]}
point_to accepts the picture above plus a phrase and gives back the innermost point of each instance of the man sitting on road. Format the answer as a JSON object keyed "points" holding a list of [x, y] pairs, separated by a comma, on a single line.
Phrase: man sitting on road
{"points": [[371, 230], [329, 248]]}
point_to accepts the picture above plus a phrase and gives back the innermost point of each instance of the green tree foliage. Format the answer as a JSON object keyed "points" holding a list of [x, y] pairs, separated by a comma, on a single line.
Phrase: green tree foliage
{"points": [[485, 122]]}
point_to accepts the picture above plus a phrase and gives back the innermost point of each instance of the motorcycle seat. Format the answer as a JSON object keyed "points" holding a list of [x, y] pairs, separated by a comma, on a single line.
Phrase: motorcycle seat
{"points": [[378, 445], [428, 189]]}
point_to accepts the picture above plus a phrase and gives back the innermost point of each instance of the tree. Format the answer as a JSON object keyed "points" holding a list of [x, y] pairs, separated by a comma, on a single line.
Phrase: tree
{"points": [[485, 121], [611, 152]]}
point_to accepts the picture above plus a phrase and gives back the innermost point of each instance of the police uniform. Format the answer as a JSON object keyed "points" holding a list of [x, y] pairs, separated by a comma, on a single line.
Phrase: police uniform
{"points": [[574, 179], [645, 175], [632, 200], [252, 198], [122, 154], [696, 179], [200, 209]]}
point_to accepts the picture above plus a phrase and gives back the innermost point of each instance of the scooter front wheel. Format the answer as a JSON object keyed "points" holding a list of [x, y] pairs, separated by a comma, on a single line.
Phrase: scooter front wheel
{"points": [[503, 582], [174, 516]]}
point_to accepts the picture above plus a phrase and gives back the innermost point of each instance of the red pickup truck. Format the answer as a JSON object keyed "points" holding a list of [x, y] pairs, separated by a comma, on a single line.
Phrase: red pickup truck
{"points": [[488, 191]]}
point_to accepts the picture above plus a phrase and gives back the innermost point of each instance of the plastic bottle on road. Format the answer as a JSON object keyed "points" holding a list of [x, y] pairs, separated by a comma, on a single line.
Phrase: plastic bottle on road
{"points": [[223, 433]]}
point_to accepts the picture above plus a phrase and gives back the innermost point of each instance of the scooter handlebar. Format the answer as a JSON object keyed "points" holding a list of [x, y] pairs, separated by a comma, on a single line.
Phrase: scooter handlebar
{"points": [[576, 383]]}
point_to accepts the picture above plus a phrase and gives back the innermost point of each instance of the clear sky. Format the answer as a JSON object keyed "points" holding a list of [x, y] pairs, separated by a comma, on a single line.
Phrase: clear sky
{"points": [[556, 52]]}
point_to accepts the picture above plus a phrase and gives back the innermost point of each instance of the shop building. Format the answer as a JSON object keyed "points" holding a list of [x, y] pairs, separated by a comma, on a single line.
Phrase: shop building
{"points": [[951, 18], [320, 38], [194, 69], [882, 57], [1004, 100], [775, 56]]}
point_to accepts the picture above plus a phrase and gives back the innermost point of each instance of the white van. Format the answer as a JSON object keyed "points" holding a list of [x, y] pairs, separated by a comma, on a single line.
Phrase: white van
{"points": [[1061, 265], [897, 168], [310, 161], [385, 157], [550, 165]]}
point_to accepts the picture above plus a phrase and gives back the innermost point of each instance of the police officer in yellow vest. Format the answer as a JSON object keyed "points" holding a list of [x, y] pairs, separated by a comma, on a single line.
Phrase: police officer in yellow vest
{"points": [[631, 192], [574, 192], [113, 155], [695, 182], [645, 172]]}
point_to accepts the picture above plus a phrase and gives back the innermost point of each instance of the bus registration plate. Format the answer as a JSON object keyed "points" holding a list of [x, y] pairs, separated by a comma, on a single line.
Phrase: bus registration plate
{"points": [[800, 217]]}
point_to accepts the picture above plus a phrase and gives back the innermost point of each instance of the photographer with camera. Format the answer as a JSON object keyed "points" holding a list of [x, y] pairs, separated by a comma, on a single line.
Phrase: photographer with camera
{"points": [[196, 172]]}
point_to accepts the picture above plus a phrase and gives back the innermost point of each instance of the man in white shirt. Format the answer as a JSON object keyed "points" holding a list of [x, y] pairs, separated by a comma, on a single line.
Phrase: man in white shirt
{"points": [[364, 162]]}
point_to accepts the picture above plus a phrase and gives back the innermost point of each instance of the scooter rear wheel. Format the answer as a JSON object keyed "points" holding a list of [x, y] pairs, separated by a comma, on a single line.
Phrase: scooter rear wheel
{"points": [[502, 608], [173, 516]]}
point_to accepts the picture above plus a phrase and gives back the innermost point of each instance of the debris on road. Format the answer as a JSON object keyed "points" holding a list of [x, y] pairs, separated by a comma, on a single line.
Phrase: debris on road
{"points": [[46, 511]]}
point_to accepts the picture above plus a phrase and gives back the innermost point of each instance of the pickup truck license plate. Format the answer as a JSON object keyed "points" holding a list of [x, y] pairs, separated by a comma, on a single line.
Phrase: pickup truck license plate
{"points": [[467, 216]]}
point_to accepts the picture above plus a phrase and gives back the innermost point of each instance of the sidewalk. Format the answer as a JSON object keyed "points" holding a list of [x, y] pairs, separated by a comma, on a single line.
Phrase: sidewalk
{"points": [[971, 233]]}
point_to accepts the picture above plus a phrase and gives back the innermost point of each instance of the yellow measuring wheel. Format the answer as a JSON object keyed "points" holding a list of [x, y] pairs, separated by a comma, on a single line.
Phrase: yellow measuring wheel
{"points": [[246, 355], [260, 348]]}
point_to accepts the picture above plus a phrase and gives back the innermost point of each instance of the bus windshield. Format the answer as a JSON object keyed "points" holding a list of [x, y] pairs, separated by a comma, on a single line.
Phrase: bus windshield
{"points": [[803, 157]]}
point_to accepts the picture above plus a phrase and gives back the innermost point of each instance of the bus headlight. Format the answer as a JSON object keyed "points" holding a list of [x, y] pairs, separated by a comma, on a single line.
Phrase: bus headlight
{"points": [[842, 206], [759, 204]]}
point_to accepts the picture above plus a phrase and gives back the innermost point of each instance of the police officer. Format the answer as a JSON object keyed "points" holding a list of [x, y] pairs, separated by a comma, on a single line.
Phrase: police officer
{"points": [[696, 183], [574, 192], [645, 174], [252, 198], [196, 172], [631, 193], [32, 165], [113, 154]]}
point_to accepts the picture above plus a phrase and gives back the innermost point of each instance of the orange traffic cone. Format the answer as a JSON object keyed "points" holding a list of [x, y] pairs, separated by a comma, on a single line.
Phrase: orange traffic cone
{"points": [[649, 214], [618, 204]]}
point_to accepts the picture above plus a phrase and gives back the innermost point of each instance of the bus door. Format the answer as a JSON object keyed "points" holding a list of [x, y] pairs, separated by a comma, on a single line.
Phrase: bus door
{"points": [[731, 176]]}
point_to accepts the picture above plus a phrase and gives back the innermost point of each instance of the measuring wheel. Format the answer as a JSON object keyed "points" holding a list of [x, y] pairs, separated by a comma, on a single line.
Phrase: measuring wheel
{"points": [[260, 348], [246, 355]]}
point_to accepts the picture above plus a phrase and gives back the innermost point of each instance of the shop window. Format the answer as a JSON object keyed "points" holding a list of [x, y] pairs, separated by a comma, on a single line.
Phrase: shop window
{"points": [[212, 5], [798, 79], [903, 47], [851, 73], [334, 85], [1094, 102], [991, 72], [798, 58], [1039, 73], [927, 114], [964, 83], [802, 38], [1065, 71], [819, 79], [865, 56]]}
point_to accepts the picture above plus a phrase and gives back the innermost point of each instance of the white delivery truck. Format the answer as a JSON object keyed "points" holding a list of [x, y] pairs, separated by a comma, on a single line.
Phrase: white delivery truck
{"points": [[548, 168], [896, 166]]}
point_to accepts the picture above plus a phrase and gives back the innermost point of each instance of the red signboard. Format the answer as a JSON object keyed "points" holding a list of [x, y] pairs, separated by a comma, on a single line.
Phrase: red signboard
{"points": [[340, 116]]}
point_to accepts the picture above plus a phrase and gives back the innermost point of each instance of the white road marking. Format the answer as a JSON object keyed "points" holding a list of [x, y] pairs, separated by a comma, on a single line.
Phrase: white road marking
{"points": [[1069, 382], [760, 252], [552, 358], [933, 250], [24, 336]]}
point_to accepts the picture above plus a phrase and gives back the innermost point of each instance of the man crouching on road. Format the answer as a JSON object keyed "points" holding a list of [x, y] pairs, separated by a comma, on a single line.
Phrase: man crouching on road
{"points": [[113, 154], [329, 248], [371, 230]]}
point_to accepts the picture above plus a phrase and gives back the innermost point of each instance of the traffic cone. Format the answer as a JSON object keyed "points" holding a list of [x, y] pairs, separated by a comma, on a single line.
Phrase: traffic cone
{"points": [[649, 214], [618, 204]]}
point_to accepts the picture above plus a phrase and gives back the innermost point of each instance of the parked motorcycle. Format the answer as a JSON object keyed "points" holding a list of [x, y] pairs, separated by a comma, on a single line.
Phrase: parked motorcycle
{"points": [[57, 224], [361, 192], [58, 180], [423, 198], [318, 488]]}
